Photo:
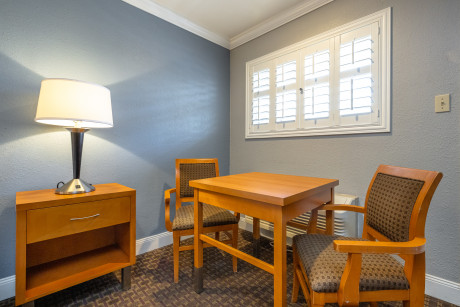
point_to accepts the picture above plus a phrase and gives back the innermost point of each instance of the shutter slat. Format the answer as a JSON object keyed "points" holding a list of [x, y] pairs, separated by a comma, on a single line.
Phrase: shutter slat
{"points": [[261, 81], [317, 65], [355, 54]]}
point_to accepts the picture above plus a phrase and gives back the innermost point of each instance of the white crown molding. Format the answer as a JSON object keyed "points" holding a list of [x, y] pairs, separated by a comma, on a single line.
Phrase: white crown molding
{"points": [[276, 21], [165, 14], [244, 37]]}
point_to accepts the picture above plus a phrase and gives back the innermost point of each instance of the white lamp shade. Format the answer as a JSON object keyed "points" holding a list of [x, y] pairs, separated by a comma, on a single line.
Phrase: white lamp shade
{"points": [[70, 103]]}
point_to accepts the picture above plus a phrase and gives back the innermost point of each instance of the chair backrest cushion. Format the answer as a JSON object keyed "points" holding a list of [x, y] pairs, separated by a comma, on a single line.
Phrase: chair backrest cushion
{"points": [[194, 171], [390, 203]]}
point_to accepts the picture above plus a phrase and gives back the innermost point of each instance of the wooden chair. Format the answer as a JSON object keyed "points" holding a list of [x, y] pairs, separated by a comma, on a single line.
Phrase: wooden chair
{"points": [[214, 219], [335, 269]]}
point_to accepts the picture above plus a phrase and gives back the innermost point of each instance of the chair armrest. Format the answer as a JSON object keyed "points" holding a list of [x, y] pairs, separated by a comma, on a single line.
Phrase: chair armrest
{"points": [[348, 293], [312, 224], [415, 246], [168, 221], [343, 207]]}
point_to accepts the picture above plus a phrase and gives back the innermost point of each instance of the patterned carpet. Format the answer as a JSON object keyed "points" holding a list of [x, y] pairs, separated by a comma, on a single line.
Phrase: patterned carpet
{"points": [[152, 283]]}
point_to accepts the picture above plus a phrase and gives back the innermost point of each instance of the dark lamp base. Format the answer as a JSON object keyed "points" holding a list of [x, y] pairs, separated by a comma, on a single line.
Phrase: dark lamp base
{"points": [[75, 186]]}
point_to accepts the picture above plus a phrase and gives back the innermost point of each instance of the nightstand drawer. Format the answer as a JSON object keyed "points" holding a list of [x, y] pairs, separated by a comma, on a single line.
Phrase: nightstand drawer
{"points": [[54, 222]]}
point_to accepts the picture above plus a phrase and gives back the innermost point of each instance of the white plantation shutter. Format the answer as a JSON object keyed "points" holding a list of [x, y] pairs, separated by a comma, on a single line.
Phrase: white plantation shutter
{"points": [[286, 92], [261, 110], [316, 102], [334, 83], [358, 74], [316, 97], [261, 97], [316, 91], [316, 86], [356, 95]]}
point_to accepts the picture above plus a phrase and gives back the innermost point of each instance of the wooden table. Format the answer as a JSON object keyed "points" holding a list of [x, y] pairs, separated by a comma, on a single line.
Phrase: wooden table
{"points": [[270, 197]]}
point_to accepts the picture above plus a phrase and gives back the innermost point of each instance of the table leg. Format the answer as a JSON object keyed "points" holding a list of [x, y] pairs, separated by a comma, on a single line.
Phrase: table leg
{"points": [[330, 217], [198, 244], [256, 237], [280, 266]]}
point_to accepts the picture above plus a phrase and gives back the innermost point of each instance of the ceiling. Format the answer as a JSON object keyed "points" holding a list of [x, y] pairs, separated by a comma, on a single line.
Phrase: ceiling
{"points": [[229, 23]]}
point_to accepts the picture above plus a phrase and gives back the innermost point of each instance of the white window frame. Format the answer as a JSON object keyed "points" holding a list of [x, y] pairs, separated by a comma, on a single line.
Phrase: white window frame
{"points": [[332, 125]]}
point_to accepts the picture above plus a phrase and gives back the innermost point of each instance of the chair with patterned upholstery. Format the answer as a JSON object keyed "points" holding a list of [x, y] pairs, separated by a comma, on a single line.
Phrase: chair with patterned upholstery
{"points": [[214, 219], [343, 270]]}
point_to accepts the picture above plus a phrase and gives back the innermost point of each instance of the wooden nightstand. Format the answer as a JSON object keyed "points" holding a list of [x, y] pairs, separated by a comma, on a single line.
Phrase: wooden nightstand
{"points": [[63, 240]]}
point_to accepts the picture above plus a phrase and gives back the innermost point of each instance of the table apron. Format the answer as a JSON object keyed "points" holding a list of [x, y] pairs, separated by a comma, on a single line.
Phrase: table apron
{"points": [[307, 204], [265, 211]]}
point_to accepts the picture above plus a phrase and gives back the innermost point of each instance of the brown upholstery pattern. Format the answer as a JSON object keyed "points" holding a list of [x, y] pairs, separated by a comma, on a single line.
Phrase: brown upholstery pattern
{"points": [[324, 266], [212, 216], [390, 204], [194, 171]]}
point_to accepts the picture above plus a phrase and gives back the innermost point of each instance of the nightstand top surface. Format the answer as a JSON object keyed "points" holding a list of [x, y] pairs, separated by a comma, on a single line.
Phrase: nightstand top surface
{"points": [[26, 200]]}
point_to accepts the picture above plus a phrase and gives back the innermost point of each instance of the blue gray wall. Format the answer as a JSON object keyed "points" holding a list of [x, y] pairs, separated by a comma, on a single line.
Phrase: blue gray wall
{"points": [[170, 99], [426, 63]]}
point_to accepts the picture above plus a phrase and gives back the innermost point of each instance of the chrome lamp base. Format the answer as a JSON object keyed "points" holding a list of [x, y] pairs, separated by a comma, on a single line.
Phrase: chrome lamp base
{"points": [[75, 186]]}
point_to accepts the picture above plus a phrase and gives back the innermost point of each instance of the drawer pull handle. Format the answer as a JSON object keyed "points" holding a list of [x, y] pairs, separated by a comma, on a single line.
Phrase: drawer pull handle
{"points": [[83, 218]]}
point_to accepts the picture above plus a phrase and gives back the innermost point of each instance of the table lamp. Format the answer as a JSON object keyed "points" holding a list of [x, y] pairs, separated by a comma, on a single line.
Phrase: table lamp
{"points": [[78, 106]]}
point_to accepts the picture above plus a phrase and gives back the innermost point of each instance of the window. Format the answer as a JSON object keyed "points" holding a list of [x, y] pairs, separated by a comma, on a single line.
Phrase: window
{"points": [[334, 83]]}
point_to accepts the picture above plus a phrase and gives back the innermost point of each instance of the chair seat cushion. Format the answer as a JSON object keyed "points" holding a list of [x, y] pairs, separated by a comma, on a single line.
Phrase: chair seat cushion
{"points": [[324, 266], [212, 216]]}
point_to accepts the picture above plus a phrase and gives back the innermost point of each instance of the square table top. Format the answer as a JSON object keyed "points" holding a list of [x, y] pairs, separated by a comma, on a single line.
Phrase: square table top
{"points": [[277, 189]]}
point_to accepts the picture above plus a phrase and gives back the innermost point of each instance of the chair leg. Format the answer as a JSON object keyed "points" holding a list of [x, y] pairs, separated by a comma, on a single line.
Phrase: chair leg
{"points": [[417, 286], [374, 304], [295, 283], [176, 243], [309, 296], [235, 245], [217, 236], [295, 288]]}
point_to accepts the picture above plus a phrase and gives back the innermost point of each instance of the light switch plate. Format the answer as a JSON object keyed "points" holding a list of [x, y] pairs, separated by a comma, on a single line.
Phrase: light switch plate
{"points": [[442, 103]]}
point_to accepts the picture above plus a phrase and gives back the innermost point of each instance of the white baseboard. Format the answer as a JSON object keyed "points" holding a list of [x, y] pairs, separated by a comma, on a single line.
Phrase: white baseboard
{"points": [[148, 244], [440, 288], [7, 285]]}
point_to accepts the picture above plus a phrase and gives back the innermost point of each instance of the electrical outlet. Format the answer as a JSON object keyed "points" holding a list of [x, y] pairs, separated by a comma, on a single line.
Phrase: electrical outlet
{"points": [[442, 103]]}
